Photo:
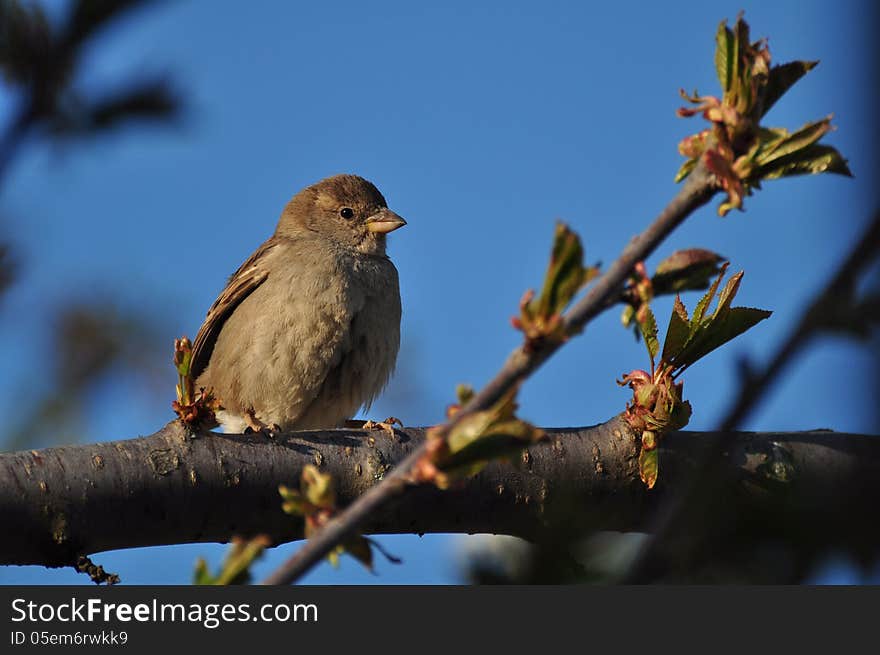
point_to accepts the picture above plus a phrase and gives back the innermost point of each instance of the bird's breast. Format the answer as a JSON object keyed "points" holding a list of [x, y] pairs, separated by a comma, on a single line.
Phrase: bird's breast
{"points": [[346, 336]]}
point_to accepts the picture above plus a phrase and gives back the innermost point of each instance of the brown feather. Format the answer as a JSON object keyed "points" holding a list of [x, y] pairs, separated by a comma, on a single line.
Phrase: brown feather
{"points": [[241, 284]]}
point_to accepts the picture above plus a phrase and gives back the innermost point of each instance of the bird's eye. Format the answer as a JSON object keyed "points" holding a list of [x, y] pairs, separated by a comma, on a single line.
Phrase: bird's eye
{"points": [[346, 212]]}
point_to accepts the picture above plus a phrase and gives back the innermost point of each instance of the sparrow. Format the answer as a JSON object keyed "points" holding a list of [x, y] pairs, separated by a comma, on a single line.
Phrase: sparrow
{"points": [[307, 329]]}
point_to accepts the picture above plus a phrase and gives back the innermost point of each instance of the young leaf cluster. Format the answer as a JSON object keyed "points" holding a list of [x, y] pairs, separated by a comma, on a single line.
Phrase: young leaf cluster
{"points": [[495, 433], [737, 149], [683, 270], [193, 408], [236, 567], [315, 502], [657, 405], [540, 318]]}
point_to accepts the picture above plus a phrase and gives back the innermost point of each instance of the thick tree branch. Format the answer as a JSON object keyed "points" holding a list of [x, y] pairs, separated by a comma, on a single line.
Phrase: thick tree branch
{"points": [[169, 488]]}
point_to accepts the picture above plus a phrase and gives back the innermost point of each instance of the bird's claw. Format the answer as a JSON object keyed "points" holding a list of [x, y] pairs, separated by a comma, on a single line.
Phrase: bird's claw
{"points": [[255, 425], [268, 431], [387, 425]]}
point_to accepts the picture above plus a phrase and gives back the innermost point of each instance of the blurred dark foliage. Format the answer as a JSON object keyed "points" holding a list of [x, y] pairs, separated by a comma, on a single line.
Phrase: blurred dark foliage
{"points": [[94, 339], [733, 543], [40, 62], [91, 336], [94, 336]]}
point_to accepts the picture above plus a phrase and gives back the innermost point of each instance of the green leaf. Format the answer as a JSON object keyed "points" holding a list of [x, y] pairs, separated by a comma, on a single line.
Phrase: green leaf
{"points": [[680, 309], [685, 269], [723, 54], [782, 78], [483, 436], [464, 393], [703, 304], [677, 332], [359, 548], [468, 430], [627, 316], [705, 334], [242, 555], [812, 160], [767, 139], [681, 415], [293, 501], [541, 317], [738, 320], [733, 63], [649, 467], [718, 332], [648, 328], [771, 136], [741, 42], [682, 260], [317, 487], [644, 394], [727, 295], [201, 574], [236, 565], [685, 170], [494, 441], [565, 273], [795, 142]]}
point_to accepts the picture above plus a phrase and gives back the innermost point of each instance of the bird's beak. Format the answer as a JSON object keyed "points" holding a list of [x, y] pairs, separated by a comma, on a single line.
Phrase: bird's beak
{"points": [[384, 221]]}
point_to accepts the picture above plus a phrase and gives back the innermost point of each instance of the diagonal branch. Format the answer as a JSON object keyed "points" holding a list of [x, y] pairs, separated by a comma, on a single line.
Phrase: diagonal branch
{"points": [[697, 191]]}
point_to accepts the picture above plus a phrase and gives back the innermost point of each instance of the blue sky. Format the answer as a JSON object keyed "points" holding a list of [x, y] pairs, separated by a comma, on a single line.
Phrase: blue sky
{"points": [[482, 123]]}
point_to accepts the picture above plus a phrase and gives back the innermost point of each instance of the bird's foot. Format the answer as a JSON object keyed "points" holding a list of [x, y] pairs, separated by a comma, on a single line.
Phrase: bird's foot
{"points": [[387, 425], [256, 425]]}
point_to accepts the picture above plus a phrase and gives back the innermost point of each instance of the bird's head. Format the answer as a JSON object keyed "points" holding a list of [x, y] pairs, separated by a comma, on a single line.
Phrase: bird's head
{"points": [[344, 208]]}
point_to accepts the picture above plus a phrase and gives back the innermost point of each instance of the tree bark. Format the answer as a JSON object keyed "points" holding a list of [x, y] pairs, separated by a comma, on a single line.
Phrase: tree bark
{"points": [[176, 487]]}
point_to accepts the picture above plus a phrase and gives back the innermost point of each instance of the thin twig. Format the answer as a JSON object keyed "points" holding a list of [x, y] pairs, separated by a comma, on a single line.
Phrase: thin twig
{"points": [[696, 192], [753, 388]]}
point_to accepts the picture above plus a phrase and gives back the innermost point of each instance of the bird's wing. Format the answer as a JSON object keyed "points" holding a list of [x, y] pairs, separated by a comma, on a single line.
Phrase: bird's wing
{"points": [[248, 277]]}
